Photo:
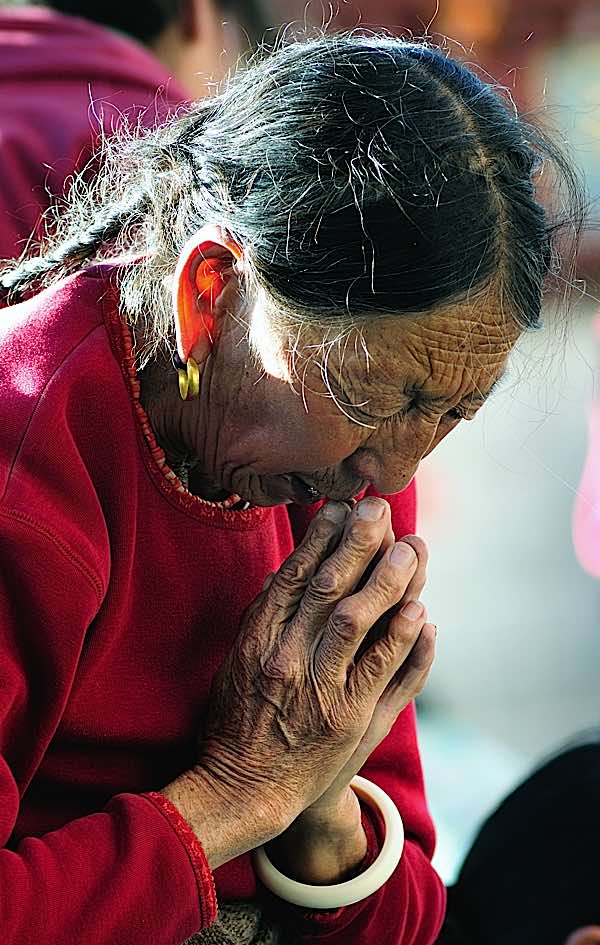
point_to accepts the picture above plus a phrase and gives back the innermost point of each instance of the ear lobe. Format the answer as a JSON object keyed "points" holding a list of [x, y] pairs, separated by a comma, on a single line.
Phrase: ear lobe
{"points": [[200, 277]]}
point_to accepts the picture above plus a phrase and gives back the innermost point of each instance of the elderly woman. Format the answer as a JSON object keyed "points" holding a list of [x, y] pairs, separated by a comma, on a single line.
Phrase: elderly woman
{"points": [[292, 292]]}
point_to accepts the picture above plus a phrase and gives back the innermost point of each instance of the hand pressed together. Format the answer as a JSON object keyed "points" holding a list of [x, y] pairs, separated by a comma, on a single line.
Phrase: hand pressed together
{"points": [[328, 655]]}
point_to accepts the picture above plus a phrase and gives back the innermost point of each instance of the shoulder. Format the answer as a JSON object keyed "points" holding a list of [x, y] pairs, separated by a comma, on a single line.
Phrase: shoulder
{"points": [[40, 342], [38, 334], [58, 374]]}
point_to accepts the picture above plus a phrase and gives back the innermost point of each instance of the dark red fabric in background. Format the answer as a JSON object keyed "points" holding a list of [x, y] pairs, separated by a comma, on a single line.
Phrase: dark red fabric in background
{"points": [[62, 81], [119, 598]]}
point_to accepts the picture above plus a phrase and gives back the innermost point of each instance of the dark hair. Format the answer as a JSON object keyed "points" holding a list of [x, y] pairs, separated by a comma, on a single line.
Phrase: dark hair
{"points": [[145, 20], [363, 174]]}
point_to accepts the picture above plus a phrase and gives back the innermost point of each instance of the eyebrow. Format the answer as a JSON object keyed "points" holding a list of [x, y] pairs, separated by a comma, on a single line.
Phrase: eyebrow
{"points": [[476, 398]]}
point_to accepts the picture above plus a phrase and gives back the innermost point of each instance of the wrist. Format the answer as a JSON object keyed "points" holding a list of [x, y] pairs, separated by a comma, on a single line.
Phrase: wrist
{"points": [[333, 807], [367, 879], [226, 825], [325, 845]]}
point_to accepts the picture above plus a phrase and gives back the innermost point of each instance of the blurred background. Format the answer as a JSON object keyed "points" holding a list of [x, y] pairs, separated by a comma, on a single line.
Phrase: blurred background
{"points": [[519, 618]]}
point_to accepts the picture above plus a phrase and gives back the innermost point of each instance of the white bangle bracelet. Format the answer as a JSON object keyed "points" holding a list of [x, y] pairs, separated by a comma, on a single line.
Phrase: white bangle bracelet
{"points": [[353, 890]]}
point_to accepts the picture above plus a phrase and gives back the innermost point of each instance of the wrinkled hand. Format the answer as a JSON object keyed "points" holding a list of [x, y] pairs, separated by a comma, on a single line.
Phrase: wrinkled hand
{"points": [[317, 677], [405, 685]]}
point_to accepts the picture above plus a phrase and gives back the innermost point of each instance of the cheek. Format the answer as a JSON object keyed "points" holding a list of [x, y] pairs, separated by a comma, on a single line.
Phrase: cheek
{"points": [[279, 434], [319, 433], [326, 441]]}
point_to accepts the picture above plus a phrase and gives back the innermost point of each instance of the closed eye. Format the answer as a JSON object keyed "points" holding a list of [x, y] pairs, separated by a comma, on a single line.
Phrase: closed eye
{"points": [[456, 413], [389, 418]]}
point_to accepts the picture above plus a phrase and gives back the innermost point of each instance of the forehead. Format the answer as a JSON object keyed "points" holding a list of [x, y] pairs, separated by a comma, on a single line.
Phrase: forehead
{"points": [[450, 352]]}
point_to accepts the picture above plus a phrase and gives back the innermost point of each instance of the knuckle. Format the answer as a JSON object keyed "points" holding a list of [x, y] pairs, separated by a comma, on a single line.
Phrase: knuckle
{"points": [[345, 621], [387, 649], [246, 649], [362, 538], [401, 639], [325, 583], [406, 634], [376, 661], [280, 666], [388, 582], [320, 531], [291, 572], [268, 581]]}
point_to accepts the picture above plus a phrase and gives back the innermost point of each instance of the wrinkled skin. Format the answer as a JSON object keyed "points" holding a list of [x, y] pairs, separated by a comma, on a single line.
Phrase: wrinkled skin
{"points": [[251, 429], [307, 692], [321, 670]]}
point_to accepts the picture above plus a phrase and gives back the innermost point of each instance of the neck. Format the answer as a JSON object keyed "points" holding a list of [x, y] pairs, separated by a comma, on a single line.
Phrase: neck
{"points": [[172, 420]]}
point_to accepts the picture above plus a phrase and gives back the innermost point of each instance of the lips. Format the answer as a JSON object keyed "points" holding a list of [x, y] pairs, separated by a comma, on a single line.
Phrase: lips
{"points": [[304, 492], [311, 494], [294, 488]]}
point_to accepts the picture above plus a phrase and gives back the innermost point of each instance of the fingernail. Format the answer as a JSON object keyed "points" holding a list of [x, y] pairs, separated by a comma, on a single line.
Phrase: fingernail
{"points": [[402, 555], [412, 610], [335, 512], [369, 510]]}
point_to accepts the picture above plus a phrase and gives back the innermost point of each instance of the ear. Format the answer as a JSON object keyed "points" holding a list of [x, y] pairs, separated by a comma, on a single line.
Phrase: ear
{"points": [[204, 267], [590, 935]]}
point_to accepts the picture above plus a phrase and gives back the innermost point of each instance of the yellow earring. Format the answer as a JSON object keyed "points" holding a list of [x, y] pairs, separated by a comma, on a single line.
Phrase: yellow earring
{"points": [[189, 380]]}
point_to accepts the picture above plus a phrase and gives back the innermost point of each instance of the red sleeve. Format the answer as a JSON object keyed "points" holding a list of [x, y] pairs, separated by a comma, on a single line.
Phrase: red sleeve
{"points": [[127, 875], [409, 909]]}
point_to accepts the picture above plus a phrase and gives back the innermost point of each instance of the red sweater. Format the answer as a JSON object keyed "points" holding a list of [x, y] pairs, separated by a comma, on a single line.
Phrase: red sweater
{"points": [[119, 596], [63, 81]]}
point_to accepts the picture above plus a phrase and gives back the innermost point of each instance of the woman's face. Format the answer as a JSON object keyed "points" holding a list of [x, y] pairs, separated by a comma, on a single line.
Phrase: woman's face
{"points": [[364, 409]]}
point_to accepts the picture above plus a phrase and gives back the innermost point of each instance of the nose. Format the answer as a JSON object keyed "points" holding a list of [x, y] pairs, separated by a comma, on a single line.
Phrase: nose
{"points": [[391, 462], [386, 474]]}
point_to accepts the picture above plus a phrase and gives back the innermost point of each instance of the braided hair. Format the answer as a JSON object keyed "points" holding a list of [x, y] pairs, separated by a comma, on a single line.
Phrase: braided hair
{"points": [[74, 250]]}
